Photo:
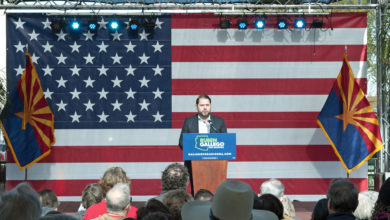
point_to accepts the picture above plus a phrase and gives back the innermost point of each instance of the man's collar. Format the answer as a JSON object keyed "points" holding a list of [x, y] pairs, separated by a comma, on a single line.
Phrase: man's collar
{"points": [[208, 119]]}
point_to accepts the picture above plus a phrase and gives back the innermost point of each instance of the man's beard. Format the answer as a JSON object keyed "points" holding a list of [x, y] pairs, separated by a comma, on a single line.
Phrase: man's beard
{"points": [[205, 116]]}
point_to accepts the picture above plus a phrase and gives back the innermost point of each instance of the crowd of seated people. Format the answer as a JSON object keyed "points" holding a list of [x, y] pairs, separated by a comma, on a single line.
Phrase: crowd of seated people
{"points": [[233, 200]]}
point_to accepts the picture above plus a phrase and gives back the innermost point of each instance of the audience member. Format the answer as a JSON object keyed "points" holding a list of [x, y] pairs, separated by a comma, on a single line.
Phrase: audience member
{"points": [[118, 202], [157, 216], [342, 199], [111, 177], [271, 203], [204, 194], [57, 216], [20, 203], [174, 201], [382, 205], [276, 188], [91, 195], [153, 205], [48, 201], [233, 200], [367, 201], [320, 211]]}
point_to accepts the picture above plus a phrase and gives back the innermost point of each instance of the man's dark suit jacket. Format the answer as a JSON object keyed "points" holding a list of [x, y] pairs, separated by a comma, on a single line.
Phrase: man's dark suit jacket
{"points": [[191, 126]]}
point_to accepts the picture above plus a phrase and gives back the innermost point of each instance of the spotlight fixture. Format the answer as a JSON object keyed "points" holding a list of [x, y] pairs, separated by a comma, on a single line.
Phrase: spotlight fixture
{"points": [[133, 25], [149, 23], [259, 23], [92, 25], [56, 25], [113, 25], [242, 24], [224, 23], [300, 22], [317, 23], [75, 25], [282, 23]]}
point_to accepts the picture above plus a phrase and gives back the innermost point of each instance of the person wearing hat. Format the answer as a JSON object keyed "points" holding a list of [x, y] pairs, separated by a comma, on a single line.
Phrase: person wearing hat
{"points": [[382, 205], [233, 200]]}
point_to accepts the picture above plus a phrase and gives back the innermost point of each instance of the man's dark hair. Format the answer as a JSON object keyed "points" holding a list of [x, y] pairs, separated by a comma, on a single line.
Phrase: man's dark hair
{"points": [[343, 196], [58, 216], [175, 200], [152, 206], [271, 203], [320, 211], [204, 194], [21, 203], [156, 216], [91, 195], [203, 96], [48, 198], [175, 176]]}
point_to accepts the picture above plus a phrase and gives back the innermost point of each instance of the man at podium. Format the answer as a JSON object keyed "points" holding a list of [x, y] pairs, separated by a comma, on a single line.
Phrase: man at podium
{"points": [[203, 122]]}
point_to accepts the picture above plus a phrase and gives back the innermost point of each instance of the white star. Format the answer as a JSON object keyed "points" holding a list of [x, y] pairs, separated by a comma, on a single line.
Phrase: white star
{"points": [[144, 35], [130, 94], [19, 24], [157, 70], [75, 70], [75, 94], [19, 47], [75, 117], [157, 47], [89, 59], [61, 59], [144, 82], [103, 94], [158, 23], [88, 35], [116, 35], [47, 70], [34, 58], [102, 70], [158, 117], [61, 106], [116, 59], [19, 70], [75, 47], [130, 70], [46, 24], [33, 35], [144, 105], [157, 94], [144, 59], [117, 105], [89, 82], [48, 94], [116, 82], [130, 117], [103, 117], [102, 24], [47, 47], [102, 47], [89, 105], [61, 36], [130, 47], [61, 82]]}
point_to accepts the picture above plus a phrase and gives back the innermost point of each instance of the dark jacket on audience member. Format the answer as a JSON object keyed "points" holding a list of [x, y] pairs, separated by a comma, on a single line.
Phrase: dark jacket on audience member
{"points": [[341, 216]]}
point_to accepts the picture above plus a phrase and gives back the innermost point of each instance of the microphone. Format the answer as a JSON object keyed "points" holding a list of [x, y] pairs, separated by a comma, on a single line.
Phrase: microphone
{"points": [[211, 125]]}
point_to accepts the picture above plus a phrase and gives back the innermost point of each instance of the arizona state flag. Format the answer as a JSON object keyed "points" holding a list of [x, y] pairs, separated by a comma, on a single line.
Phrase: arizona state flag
{"points": [[29, 127], [349, 122]]}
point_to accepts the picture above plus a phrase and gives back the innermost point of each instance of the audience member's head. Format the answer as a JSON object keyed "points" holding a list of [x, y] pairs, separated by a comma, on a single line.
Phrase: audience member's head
{"points": [[111, 177], [118, 199], [382, 205], [21, 203], [320, 211], [152, 206], [157, 216], [271, 203], [91, 195], [49, 201], [204, 194], [57, 216], [175, 176], [367, 201], [174, 200], [233, 200], [342, 196]]}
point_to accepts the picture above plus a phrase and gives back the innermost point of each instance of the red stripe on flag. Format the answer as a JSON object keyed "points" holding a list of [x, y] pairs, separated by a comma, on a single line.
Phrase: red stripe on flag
{"points": [[208, 21], [254, 53], [255, 86], [139, 187]]}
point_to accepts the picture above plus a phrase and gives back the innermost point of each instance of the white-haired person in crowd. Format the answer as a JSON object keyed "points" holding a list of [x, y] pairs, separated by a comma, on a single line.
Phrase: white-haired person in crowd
{"points": [[366, 205], [276, 188]]}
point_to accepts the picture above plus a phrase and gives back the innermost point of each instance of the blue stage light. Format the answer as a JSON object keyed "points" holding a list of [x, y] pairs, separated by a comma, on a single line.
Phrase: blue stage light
{"points": [[300, 23], [113, 25], [75, 25], [242, 24], [259, 23], [282, 23], [133, 25]]}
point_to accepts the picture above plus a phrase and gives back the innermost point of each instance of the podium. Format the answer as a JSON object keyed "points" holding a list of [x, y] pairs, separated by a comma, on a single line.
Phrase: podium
{"points": [[209, 154]]}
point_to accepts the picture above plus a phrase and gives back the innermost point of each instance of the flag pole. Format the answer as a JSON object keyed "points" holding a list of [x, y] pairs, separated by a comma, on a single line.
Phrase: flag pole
{"points": [[25, 174]]}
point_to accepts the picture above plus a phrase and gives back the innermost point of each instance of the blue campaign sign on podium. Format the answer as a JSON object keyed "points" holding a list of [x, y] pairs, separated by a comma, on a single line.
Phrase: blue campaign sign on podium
{"points": [[211, 146]]}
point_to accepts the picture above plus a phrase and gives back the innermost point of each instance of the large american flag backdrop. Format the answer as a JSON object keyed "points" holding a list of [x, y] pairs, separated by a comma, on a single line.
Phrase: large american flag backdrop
{"points": [[119, 99]]}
